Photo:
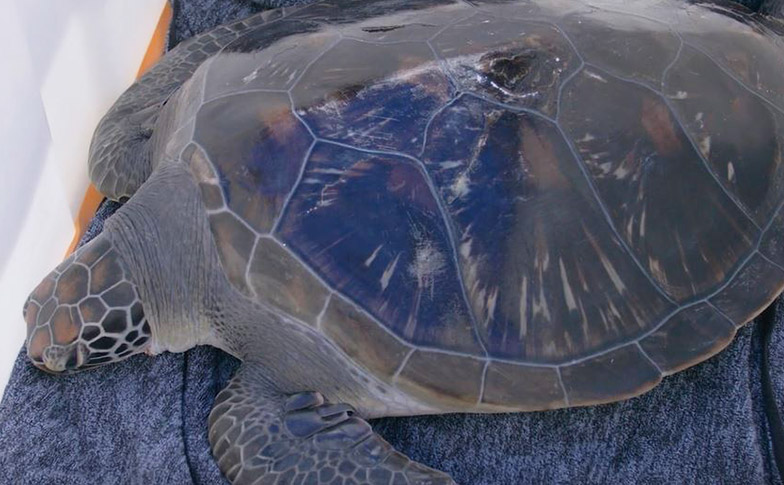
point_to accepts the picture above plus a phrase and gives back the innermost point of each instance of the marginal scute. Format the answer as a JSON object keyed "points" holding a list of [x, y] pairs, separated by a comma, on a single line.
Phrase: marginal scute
{"points": [[372, 96], [173, 129], [340, 12], [688, 337], [212, 196], [271, 57], [443, 379], [513, 61], [718, 115], [407, 25], [199, 165], [257, 147], [362, 338], [772, 243], [516, 9], [646, 173], [746, 53], [619, 374], [522, 388], [756, 285], [204, 173], [632, 47], [235, 243], [278, 278]]}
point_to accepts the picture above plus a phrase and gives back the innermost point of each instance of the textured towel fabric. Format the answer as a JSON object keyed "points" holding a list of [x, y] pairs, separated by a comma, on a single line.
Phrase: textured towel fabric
{"points": [[144, 420]]}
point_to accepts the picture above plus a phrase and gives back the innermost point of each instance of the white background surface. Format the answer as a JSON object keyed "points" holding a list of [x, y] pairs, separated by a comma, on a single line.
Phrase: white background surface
{"points": [[64, 63]]}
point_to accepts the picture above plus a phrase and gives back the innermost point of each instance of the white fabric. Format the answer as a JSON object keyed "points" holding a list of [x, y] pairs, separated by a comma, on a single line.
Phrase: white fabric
{"points": [[64, 63]]}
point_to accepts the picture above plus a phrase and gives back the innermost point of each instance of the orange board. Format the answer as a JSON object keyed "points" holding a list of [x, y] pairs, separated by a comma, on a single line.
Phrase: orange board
{"points": [[92, 198]]}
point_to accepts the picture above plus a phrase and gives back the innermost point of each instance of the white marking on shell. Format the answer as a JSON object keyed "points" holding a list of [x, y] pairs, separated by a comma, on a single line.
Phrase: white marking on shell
{"points": [[614, 277], [460, 186], [622, 171], [388, 272], [329, 171], [595, 76], [642, 222], [372, 257], [490, 303], [250, 77], [524, 308], [320, 316], [730, 172], [328, 193], [546, 262], [585, 139], [608, 267], [630, 227], [567, 288], [428, 263], [705, 145], [465, 248], [540, 306], [656, 269], [450, 164]]}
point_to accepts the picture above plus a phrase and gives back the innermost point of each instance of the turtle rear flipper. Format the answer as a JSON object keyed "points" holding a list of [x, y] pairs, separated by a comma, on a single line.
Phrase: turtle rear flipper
{"points": [[259, 435]]}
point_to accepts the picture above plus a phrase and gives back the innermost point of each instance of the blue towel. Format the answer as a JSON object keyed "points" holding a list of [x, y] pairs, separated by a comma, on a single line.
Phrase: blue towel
{"points": [[144, 420]]}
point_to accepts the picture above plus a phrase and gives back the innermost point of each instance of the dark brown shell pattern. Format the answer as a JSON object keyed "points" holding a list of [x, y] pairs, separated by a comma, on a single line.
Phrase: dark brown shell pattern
{"points": [[494, 206]]}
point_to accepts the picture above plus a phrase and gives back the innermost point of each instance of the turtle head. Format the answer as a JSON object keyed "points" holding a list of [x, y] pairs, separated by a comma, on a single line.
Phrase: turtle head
{"points": [[86, 312]]}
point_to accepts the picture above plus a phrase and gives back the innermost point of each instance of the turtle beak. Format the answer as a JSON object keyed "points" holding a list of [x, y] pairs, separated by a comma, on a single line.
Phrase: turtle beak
{"points": [[59, 360]]}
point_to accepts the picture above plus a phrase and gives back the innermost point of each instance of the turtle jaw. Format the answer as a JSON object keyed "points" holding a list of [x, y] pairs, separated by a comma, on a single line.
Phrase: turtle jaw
{"points": [[64, 360]]}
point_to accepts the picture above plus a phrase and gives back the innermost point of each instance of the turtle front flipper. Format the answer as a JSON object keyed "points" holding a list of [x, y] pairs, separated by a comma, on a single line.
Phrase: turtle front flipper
{"points": [[259, 435], [120, 158]]}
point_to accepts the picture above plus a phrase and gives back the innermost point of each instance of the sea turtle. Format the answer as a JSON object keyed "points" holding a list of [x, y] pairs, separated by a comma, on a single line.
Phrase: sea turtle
{"points": [[398, 207]]}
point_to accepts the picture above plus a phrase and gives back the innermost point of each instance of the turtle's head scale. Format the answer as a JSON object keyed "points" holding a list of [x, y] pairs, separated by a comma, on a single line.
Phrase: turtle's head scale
{"points": [[86, 312]]}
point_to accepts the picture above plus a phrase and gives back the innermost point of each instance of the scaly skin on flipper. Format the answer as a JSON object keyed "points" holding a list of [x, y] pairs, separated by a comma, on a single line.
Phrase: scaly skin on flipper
{"points": [[257, 434], [120, 158]]}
